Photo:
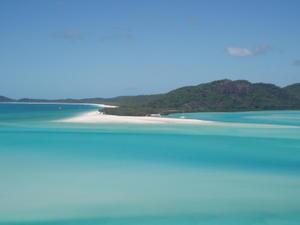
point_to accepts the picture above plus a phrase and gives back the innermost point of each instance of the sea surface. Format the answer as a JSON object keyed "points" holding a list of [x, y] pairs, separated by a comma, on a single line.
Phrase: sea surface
{"points": [[243, 169]]}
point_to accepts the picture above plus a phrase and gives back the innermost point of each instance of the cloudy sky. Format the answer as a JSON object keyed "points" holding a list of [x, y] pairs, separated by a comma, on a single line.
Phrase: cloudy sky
{"points": [[72, 48]]}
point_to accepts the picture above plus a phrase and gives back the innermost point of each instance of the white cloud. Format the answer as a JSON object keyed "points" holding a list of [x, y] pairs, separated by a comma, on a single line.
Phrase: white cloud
{"points": [[240, 52], [244, 52]]}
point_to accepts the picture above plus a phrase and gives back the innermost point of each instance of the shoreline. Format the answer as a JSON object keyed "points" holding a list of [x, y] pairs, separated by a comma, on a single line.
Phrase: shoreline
{"points": [[61, 103], [94, 117], [97, 118]]}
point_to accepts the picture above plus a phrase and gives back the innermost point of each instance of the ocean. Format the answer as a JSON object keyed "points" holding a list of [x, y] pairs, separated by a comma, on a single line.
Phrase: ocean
{"points": [[243, 169]]}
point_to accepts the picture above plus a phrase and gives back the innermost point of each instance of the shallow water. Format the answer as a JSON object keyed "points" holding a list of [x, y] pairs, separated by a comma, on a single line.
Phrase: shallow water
{"points": [[235, 171], [260, 117]]}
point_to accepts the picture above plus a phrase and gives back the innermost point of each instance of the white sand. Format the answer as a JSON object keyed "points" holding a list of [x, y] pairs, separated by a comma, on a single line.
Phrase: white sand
{"points": [[60, 103], [96, 117]]}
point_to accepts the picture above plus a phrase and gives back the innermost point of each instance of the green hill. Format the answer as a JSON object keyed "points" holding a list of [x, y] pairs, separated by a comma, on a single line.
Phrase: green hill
{"points": [[222, 95], [5, 99], [293, 90]]}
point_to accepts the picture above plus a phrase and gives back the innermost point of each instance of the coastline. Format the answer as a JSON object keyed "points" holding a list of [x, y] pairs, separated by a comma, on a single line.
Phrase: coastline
{"points": [[94, 117], [97, 118], [61, 103]]}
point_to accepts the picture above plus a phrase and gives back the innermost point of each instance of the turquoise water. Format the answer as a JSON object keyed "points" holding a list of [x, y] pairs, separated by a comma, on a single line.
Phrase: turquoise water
{"points": [[263, 117], [242, 169]]}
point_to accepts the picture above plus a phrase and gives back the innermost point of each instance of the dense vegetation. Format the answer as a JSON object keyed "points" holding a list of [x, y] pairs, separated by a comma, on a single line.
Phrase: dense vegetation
{"points": [[5, 99], [293, 90], [222, 95]]}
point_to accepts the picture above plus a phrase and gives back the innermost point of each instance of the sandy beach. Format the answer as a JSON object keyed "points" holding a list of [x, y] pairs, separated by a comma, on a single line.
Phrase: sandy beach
{"points": [[61, 103], [96, 117]]}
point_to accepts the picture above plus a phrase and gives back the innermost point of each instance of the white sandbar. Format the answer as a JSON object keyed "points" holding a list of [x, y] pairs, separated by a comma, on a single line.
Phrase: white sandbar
{"points": [[96, 117]]}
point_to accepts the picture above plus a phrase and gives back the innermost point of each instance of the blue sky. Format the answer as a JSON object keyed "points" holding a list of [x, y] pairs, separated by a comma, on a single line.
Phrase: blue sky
{"points": [[64, 48]]}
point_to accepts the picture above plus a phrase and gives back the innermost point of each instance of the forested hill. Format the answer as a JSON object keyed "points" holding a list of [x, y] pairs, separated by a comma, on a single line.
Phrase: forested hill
{"points": [[222, 95], [294, 90], [5, 99]]}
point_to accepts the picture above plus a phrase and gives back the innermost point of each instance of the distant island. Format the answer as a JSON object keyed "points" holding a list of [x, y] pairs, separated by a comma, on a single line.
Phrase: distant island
{"points": [[217, 96]]}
